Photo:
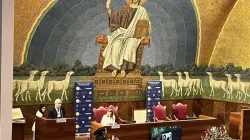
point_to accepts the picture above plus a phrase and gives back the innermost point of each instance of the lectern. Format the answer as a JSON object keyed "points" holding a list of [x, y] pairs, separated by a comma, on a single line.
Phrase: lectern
{"points": [[55, 129]]}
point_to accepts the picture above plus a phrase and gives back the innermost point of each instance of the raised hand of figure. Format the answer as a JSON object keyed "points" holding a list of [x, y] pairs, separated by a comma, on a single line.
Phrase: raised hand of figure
{"points": [[101, 39], [108, 7], [108, 3]]}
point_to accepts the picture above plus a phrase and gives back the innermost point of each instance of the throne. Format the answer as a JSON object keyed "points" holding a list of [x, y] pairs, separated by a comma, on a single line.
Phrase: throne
{"points": [[160, 113], [99, 112], [131, 84]]}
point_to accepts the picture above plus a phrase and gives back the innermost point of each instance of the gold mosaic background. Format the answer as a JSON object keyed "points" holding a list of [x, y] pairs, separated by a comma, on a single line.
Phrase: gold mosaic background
{"points": [[213, 14], [25, 10], [233, 43], [224, 30]]}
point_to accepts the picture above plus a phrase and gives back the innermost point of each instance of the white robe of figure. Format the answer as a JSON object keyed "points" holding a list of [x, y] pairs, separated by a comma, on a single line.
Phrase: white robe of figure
{"points": [[121, 44]]}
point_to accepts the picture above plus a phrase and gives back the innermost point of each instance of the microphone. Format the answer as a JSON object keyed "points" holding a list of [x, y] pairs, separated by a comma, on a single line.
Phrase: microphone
{"points": [[120, 119]]}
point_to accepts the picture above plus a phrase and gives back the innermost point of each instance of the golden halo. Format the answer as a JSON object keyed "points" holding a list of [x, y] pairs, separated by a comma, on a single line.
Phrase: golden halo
{"points": [[130, 2]]}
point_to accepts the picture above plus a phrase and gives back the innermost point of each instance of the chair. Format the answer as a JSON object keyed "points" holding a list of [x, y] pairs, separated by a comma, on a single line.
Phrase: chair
{"points": [[99, 112], [117, 118], [160, 113], [132, 83], [141, 30], [180, 111]]}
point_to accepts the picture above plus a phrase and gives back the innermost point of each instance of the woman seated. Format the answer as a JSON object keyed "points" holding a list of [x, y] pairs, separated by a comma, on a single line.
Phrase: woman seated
{"points": [[108, 119]]}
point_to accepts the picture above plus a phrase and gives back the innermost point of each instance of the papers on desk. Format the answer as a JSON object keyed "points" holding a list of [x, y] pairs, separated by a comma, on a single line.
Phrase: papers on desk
{"points": [[140, 115], [17, 114]]}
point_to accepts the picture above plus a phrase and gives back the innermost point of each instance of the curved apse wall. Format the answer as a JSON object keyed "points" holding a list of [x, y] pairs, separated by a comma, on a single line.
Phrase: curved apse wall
{"points": [[68, 31]]}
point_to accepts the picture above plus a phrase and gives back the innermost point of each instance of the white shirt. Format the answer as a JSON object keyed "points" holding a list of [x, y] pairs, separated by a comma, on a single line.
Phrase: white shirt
{"points": [[38, 114], [107, 121], [58, 110]]}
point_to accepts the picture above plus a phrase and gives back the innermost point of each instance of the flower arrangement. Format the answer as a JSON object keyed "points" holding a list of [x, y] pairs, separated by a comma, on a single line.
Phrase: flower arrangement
{"points": [[216, 133]]}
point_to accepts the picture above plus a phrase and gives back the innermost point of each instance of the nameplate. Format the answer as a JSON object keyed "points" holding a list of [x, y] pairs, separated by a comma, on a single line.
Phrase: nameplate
{"points": [[116, 126], [61, 120]]}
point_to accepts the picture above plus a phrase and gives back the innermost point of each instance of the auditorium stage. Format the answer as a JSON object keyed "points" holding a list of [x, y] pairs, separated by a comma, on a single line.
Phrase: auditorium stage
{"points": [[213, 108]]}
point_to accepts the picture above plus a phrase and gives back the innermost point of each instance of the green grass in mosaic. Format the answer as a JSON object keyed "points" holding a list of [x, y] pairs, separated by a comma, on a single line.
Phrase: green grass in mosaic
{"points": [[218, 93], [53, 95]]}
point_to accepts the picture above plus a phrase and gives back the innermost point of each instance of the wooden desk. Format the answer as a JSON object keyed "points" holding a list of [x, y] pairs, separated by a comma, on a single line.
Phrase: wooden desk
{"points": [[245, 124], [239, 126], [18, 130], [234, 125], [191, 129], [49, 129]]}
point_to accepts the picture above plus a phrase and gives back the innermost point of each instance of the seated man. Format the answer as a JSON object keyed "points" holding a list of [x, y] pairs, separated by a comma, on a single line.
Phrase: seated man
{"points": [[122, 45], [108, 119], [58, 111]]}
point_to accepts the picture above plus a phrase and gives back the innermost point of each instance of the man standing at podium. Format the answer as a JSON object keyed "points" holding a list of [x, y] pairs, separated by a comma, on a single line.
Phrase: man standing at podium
{"points": [[58, 111]]}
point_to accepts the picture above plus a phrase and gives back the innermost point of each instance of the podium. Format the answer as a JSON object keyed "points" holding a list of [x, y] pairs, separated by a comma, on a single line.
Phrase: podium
{"points": [[55, 129], [18, 129], [18, 124]]}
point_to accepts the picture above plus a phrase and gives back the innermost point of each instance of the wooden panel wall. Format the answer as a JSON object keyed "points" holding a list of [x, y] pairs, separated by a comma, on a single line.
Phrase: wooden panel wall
{"points": [[245, 134]]}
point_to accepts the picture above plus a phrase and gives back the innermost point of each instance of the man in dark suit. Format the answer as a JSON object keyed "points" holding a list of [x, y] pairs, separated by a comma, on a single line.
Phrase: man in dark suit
{"points": [[58, 111]]}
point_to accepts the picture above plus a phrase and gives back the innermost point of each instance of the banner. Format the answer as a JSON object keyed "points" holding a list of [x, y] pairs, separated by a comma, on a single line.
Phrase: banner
{"points": [[83, 105], [153, 97]]}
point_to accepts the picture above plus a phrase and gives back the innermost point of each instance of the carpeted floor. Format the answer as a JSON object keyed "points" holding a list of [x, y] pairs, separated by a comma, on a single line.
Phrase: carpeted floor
{"points": [[29, 137]]}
